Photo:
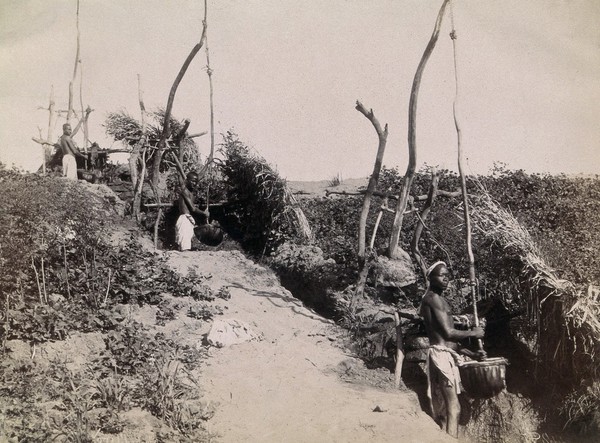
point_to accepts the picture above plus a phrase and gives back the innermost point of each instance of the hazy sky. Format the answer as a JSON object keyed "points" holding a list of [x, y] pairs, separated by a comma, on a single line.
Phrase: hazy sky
{"points": [[287, 74]]}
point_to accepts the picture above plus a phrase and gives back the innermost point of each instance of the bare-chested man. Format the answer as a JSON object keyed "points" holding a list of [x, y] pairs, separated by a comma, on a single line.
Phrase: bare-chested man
{"points": [[442, 370], [184, 229], [69, 151]]}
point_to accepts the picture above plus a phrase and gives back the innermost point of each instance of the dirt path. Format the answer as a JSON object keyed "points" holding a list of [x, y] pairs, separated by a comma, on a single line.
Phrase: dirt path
{"points": [[295, 384]]}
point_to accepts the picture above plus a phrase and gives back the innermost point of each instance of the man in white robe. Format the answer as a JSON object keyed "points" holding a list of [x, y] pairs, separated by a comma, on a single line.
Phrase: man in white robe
{"points": [[184, 228]]}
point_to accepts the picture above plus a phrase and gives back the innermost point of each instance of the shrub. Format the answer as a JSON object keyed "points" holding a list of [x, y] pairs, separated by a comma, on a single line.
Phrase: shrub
{"points": [[263, 209]]}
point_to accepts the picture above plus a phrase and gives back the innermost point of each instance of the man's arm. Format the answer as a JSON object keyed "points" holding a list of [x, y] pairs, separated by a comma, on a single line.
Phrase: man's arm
{"points": [[67, 141], [189, 201], [443, 318]]}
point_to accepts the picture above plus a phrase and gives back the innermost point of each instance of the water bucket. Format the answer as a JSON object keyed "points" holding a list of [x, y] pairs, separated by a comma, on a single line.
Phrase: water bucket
{"points": [[210, 234], [484, 379]]}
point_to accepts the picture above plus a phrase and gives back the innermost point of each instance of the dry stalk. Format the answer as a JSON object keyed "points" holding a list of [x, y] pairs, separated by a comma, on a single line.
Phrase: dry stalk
{"points": [[66, 271], [37, 279], [107, 287]]}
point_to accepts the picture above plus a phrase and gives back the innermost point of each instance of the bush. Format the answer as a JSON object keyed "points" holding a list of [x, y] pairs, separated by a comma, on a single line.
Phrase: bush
{"points": [[262, 209], [58, 270]]}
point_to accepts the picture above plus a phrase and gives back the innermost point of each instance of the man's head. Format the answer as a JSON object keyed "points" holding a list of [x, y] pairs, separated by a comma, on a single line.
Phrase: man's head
{"points": [[192, 179], [67, 129], [438, 276]]}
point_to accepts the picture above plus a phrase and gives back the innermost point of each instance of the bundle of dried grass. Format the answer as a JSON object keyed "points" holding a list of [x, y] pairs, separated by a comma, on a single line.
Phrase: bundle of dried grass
{"points": [[124, 128], [267, 209], [568, 335]]}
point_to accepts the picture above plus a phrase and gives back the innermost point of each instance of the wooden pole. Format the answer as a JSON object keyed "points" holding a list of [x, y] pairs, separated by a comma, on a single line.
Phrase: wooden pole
{"points": [[139, 148], [162, 143], [209, 72], [85, 121], [399, 351], [45, 148], [412, 139], [463, 185], [70, 109], [382, 137]]}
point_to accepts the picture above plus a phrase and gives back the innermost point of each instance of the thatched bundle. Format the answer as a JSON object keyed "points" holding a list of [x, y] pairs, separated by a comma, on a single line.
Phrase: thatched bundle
{"points": [[128, 130], [567, 319], [267, 209]]}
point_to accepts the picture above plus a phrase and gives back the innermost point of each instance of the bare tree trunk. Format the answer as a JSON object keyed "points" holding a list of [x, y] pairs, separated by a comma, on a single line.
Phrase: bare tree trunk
{"points": [[162, 143], [382, 136], [412, 139], [433, 189], [70, 109]]}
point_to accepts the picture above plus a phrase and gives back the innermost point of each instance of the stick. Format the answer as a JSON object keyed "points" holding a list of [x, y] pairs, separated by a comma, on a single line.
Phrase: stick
{"points": [[209, 72], [37, 279], [399, 351], [66, 271], [107, 288]]}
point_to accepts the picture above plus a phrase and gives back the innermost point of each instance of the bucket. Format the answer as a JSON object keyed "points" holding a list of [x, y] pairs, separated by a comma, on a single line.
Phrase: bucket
{"points": [[484, 379], [209, 234]]}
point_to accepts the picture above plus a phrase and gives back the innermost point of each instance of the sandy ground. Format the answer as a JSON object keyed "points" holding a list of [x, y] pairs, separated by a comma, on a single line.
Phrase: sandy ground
{"points": [[296, 383]]}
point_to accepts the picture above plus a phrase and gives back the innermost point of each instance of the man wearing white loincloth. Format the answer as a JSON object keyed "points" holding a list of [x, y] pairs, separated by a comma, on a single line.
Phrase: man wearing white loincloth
{"points": [[442, 370], [184, 229], [69, 151]]}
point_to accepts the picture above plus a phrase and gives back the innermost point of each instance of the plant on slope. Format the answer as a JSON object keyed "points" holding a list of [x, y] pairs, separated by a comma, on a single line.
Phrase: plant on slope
{"points": [[264, 209]]}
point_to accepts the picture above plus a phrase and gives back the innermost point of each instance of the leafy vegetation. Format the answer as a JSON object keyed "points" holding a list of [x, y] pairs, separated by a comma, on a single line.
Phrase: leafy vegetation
{"points": [[65, 272], [263, 212], [560, 215], [124, 128]]}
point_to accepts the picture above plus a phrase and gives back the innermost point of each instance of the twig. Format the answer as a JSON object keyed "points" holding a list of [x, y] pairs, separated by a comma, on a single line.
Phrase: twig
{"points": [[399, 351], [107, 288], [37, 279], [66, 271], [44, 281]]}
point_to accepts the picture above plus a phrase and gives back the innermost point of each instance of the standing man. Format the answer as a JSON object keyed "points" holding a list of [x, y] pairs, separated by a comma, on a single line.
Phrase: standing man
{"points": [[184, 229], [442, 370], [69, 151]]}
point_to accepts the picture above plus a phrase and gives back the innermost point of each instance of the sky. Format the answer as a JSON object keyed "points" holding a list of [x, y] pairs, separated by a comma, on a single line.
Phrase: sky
{"points": [[287, 75]]}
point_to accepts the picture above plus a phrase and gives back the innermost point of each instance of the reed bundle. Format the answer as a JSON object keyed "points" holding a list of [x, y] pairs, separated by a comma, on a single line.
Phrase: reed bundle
{"points": [[567, 318]]}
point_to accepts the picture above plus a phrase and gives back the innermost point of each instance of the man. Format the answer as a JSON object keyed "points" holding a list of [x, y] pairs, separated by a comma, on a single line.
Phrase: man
{"points": [[441, 367], [69, 151], [184, 228]]}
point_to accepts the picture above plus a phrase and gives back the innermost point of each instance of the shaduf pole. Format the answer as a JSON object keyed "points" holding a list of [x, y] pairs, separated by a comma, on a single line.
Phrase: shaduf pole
{"points": [[162, 143]]}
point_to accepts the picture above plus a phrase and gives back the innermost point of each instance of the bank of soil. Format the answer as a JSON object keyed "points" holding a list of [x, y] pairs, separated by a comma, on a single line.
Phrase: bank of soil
{"points": [[296, 383]]}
